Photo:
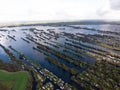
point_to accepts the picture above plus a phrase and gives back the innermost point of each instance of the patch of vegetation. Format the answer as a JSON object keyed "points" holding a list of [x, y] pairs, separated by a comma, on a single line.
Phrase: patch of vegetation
{"points": [[110, 47], [61, 65], [101, 76], [6, 85], [13, 80]]}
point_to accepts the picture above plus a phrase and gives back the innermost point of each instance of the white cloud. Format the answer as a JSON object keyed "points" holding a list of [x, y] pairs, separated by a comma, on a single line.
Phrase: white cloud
{"points": [[110, 10], [35, 10], [115, 4]]}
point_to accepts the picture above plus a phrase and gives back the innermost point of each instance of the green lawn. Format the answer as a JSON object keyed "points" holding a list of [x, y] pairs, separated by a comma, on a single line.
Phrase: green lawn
{"points": [[14, 80]]}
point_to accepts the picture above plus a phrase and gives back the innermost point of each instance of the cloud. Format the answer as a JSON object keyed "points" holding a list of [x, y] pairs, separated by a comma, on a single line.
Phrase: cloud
{"points": [[115, 4], [36, 10], [104, 9], [102, 12], [109, 10]]}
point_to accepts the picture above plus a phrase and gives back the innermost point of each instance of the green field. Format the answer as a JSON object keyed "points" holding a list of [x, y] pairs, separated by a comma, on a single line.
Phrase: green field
{"points": [[13, 80]]}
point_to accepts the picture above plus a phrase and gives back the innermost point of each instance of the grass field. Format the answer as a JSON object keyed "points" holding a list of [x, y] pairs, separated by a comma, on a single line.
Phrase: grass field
{"points": [[13, 80]]}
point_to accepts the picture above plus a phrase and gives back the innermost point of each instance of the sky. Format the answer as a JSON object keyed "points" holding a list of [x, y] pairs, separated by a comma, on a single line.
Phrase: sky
{"points": [[50, 10]]}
